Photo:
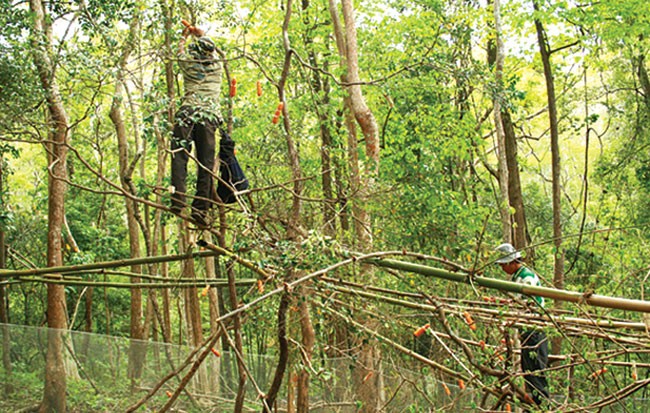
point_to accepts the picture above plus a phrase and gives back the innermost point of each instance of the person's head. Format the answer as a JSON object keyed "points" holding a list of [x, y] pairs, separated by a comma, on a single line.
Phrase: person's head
{"points": [[202, 48], [509, 258]]}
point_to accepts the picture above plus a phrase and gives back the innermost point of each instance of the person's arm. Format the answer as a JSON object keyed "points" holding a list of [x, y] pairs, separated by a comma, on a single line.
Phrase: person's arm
{"points": [[187, 31], [181, 42]]}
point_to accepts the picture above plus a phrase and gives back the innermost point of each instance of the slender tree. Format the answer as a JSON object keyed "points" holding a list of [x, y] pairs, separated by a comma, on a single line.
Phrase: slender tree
{"points": [[368, 373], [4, 299], [54, 390], [497, 59], [513, 214], [162, 144], [294, 234], [126, 170], [361, 180], [558, 269]]}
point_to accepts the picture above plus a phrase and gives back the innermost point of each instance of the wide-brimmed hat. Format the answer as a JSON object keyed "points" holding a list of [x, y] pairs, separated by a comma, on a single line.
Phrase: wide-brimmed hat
{"points": [[508, 253]]}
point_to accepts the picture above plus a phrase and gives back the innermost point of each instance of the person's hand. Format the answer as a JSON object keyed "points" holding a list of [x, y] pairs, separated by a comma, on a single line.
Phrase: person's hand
{"points": [[196, 31], [189, 29]]}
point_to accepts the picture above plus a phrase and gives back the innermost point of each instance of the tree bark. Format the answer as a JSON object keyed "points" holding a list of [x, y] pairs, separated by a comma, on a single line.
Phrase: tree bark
{"points": [[168, 12], [360, 181], [308, 340], [504, 206], [239, 345], [367, 373], [283, 351], [192, 306], [362, 113], [514, 225], [136, 353], [558, 272], [321, 86], [4, 303], [54, 392], [519, 226], [294, 235]]}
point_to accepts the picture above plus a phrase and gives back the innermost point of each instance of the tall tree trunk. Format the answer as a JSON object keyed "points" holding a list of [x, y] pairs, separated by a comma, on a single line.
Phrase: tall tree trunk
{"points": [[504, 207], [321, 86], [362, 113], [361, 180], [519, 226], [168, 12], [367, 373], [294, 235], [239, 345], [308, 338], [54, 392], [558, 273], [158, 242], [516, 230], [4, 301], [136, 353]]}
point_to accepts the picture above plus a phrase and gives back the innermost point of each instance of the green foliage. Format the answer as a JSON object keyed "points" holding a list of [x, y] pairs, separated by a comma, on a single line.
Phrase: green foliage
{"points": [[428, 84]]}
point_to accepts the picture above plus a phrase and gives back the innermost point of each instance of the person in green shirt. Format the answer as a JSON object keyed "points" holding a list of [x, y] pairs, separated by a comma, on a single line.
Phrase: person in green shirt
{"points": [[534, 344], [196, 122]]}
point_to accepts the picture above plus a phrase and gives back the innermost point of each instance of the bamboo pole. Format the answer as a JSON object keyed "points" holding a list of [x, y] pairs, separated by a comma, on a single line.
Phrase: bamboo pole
{"points": [[487, 303], [65, 269], [513, 287], [218, 282]]}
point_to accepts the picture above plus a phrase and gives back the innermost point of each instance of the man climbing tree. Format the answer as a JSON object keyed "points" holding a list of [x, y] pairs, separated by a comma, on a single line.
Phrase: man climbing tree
{"points": [[534, 345], [196, 121]]}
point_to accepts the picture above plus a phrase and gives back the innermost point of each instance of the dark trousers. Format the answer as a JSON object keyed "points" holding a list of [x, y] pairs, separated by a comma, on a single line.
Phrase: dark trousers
{"points": [[534, 357], [200, 131]]}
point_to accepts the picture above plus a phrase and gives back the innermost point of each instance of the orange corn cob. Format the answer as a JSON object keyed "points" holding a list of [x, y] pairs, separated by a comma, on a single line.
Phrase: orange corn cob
{"points": [[278, 111], [599, 372], [446, 389], [421, 330], [469, 320], [233, 87]]}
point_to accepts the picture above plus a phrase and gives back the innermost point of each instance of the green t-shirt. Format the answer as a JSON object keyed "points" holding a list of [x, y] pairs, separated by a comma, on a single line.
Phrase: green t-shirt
{"points": [[524, 275], [202, 83]]}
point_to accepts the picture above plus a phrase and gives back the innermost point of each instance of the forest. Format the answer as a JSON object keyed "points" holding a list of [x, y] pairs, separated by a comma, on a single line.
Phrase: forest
{"points": [[390, 146]]}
